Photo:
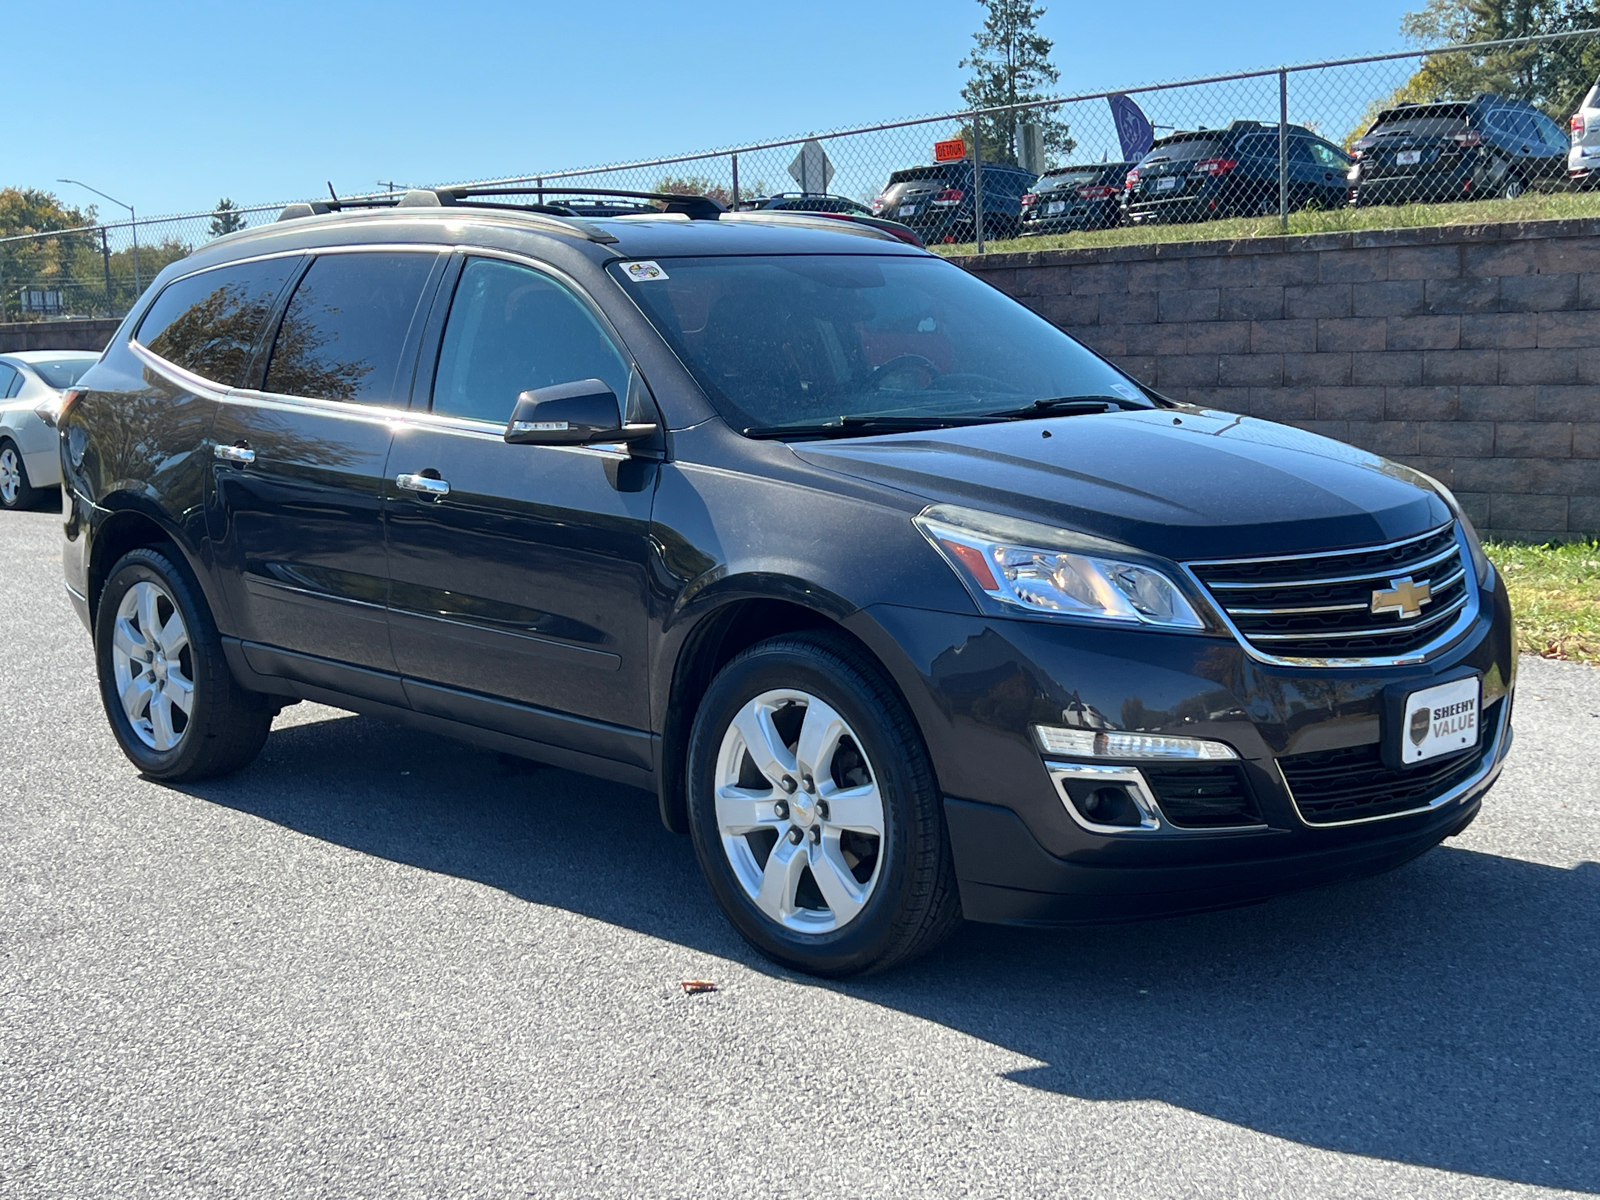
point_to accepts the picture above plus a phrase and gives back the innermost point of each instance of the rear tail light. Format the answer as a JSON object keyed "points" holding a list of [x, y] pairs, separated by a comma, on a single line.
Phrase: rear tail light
{"points": [[879, 203], [949, 196], [1577, 125], [1132, 180], [1028, 198], [1216, 166], [1468, 137], [1096, 192], [54, 412]]}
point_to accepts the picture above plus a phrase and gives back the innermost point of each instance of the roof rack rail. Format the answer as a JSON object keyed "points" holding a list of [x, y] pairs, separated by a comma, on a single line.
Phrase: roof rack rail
{"points": [[696, 208]]}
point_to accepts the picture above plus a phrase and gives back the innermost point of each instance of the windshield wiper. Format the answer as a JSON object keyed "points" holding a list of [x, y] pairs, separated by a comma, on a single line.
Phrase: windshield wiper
{"points": [[849, 426], [1068, 406]]}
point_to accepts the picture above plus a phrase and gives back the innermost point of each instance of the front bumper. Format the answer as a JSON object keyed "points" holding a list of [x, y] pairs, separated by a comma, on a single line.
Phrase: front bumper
{"points": [[977, 685]]}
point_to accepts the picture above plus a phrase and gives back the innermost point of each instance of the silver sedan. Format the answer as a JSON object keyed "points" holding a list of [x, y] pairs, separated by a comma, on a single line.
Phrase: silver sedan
{"points": [[31, 384]]}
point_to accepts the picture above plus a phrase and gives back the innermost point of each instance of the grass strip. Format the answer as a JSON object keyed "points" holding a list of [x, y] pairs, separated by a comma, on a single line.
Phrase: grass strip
{"points": [[1530, 207], [1555, 594]]}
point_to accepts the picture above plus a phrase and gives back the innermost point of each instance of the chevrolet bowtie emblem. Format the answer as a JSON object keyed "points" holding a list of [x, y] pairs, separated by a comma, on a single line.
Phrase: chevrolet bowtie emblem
{"points": [[1404, 598]]}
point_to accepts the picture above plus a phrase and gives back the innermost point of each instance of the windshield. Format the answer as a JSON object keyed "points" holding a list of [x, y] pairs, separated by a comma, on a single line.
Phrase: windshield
{"points": [[62, 373], [805, 340]]}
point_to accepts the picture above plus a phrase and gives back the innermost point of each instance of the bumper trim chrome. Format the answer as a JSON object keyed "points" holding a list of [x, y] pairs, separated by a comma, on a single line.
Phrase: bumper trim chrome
{"points": [[1494, 758]]}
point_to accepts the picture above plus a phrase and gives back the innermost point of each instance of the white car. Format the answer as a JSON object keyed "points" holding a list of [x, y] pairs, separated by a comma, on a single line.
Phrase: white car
{"points": [[1583, 160], [32, 380]]}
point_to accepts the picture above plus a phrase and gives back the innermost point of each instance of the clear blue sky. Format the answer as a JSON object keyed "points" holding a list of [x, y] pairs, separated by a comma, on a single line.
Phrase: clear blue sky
{"points": [[172, 105]]}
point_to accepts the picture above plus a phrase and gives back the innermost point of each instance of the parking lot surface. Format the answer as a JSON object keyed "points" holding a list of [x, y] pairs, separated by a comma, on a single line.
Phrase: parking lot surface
{"points": [[381, 964]]}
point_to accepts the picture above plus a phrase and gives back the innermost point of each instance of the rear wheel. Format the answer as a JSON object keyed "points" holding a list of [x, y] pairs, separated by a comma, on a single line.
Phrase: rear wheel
{"points": [[1512, 186], [814, 810], [176, 710], [15, 490]]}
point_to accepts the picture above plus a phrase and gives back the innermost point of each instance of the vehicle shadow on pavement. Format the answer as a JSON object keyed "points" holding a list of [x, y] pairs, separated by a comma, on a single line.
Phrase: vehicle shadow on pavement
{"points": [[1446, 1015]]}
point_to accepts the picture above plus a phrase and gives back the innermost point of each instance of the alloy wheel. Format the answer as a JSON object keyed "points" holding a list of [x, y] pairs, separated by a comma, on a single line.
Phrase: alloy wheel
{"points": [[154, 665], [799, 811], [10, 475]]}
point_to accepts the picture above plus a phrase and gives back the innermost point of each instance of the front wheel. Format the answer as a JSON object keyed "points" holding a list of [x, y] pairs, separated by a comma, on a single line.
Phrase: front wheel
{"points": [[814, 810], [174, 706]]}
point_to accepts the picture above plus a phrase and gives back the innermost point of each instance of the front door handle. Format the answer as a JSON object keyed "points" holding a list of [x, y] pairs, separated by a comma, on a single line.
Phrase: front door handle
{"points": [[423, 484], [242, 455]]}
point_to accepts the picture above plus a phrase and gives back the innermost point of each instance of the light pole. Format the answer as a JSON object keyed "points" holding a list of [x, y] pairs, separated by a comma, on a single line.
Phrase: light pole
{"points": [[133, 217]]}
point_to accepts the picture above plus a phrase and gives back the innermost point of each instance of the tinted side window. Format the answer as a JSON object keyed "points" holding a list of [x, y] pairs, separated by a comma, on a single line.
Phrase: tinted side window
{"points": [[510, 330], [1550, 132], [8, 376], [1327, 156], [1261, 145], [344, 331], [209, 322]]}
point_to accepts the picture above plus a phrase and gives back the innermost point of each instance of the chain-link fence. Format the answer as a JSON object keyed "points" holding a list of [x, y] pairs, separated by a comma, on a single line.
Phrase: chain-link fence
{"points": [[1460, 123]]}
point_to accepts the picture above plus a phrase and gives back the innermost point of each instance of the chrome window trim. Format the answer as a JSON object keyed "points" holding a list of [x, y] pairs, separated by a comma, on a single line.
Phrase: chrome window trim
{"points": [[181, 376], [1493, 759], [1464, 620]]}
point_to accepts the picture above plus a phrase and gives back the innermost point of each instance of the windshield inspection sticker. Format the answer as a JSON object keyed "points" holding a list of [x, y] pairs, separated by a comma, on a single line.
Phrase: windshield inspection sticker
{"points": [[1127, 390], [644, 272]]}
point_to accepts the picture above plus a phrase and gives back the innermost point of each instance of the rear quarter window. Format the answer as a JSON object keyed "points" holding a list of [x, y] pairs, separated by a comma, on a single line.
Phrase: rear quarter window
{"points": [[209, 322]]}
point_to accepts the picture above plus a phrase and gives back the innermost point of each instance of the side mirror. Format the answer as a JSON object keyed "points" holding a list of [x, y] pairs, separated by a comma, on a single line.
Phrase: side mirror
{"points": [[571, 414]]}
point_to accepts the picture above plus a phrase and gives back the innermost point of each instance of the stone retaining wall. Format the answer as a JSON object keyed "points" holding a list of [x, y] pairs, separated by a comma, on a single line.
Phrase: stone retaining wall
{"points": [[1470, 352], [57, 335]]}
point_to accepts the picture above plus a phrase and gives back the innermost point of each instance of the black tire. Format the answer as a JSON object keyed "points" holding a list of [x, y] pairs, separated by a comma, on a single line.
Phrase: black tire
{"points": [[227, 725], [24, 494], [914, 904], [1512, 186]]}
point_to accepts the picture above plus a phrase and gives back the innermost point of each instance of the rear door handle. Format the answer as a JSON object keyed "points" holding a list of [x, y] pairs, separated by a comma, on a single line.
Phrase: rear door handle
{"points": [[423, 484], [235, 454]]}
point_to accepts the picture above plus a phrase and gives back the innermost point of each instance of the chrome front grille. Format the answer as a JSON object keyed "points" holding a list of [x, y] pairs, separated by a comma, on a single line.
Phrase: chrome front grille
{"points": [[1357, 606]]}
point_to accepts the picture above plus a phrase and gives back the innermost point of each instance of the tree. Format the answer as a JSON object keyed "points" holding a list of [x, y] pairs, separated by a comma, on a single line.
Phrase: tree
{"points": [[227, 218], [1553, 75], [50, 263], [1010, 65]]}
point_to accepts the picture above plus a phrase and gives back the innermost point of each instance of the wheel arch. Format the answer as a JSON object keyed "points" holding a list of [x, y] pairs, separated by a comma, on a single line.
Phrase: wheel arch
{"points": [[738, 619], [129, 525]]}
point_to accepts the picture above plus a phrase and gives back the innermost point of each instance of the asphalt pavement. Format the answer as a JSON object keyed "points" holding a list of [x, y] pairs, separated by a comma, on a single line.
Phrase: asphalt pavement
{"points": [[377, 963]]}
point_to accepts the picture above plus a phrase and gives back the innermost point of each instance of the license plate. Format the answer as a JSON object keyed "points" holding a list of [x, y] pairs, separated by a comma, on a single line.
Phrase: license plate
{"points": [[908, 210], [1166, 185], [1440, 720], [1058, 206], [1408, 158]]}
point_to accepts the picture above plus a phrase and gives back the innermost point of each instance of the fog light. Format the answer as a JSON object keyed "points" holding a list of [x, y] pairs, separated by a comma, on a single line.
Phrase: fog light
{"points": [[1094, 743], [1106, 799]]}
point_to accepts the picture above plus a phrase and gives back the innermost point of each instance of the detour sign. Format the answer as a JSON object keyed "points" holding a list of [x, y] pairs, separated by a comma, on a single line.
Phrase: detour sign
{"points": [[950, 150]]}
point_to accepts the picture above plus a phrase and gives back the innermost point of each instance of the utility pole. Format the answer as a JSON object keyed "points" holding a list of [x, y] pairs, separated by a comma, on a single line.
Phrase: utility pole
{"points": [[133, 218]]}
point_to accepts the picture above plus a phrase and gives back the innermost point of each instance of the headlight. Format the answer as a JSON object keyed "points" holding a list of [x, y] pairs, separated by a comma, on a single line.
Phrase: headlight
{"points": [[1480, 561], [1014, 567]]}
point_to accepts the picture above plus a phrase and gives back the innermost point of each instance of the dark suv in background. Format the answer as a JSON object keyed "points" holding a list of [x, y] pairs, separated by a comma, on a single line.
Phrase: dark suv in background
{"points": [[1212, 173], [905, 605], [939, 202], [1080, 197], [1483, 147]]}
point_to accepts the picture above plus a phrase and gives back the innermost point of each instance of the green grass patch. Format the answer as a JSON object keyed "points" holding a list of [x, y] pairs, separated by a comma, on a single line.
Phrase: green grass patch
{"points": [[1555, 594], [1531, 207]]}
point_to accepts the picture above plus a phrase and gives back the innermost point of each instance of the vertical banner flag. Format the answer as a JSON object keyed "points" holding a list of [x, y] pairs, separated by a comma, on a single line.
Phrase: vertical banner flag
{"points": [[1133, 128]]}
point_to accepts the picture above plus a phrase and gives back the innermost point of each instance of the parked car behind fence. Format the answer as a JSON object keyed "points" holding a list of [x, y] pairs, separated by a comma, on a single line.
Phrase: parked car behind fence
{"points": [[1078, 197], [1207, 174], [1486, 146], [939, 202]]}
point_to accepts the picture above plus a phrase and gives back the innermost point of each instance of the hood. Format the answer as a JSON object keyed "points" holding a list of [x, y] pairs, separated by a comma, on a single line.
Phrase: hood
{"points": [[1181, 483]]}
